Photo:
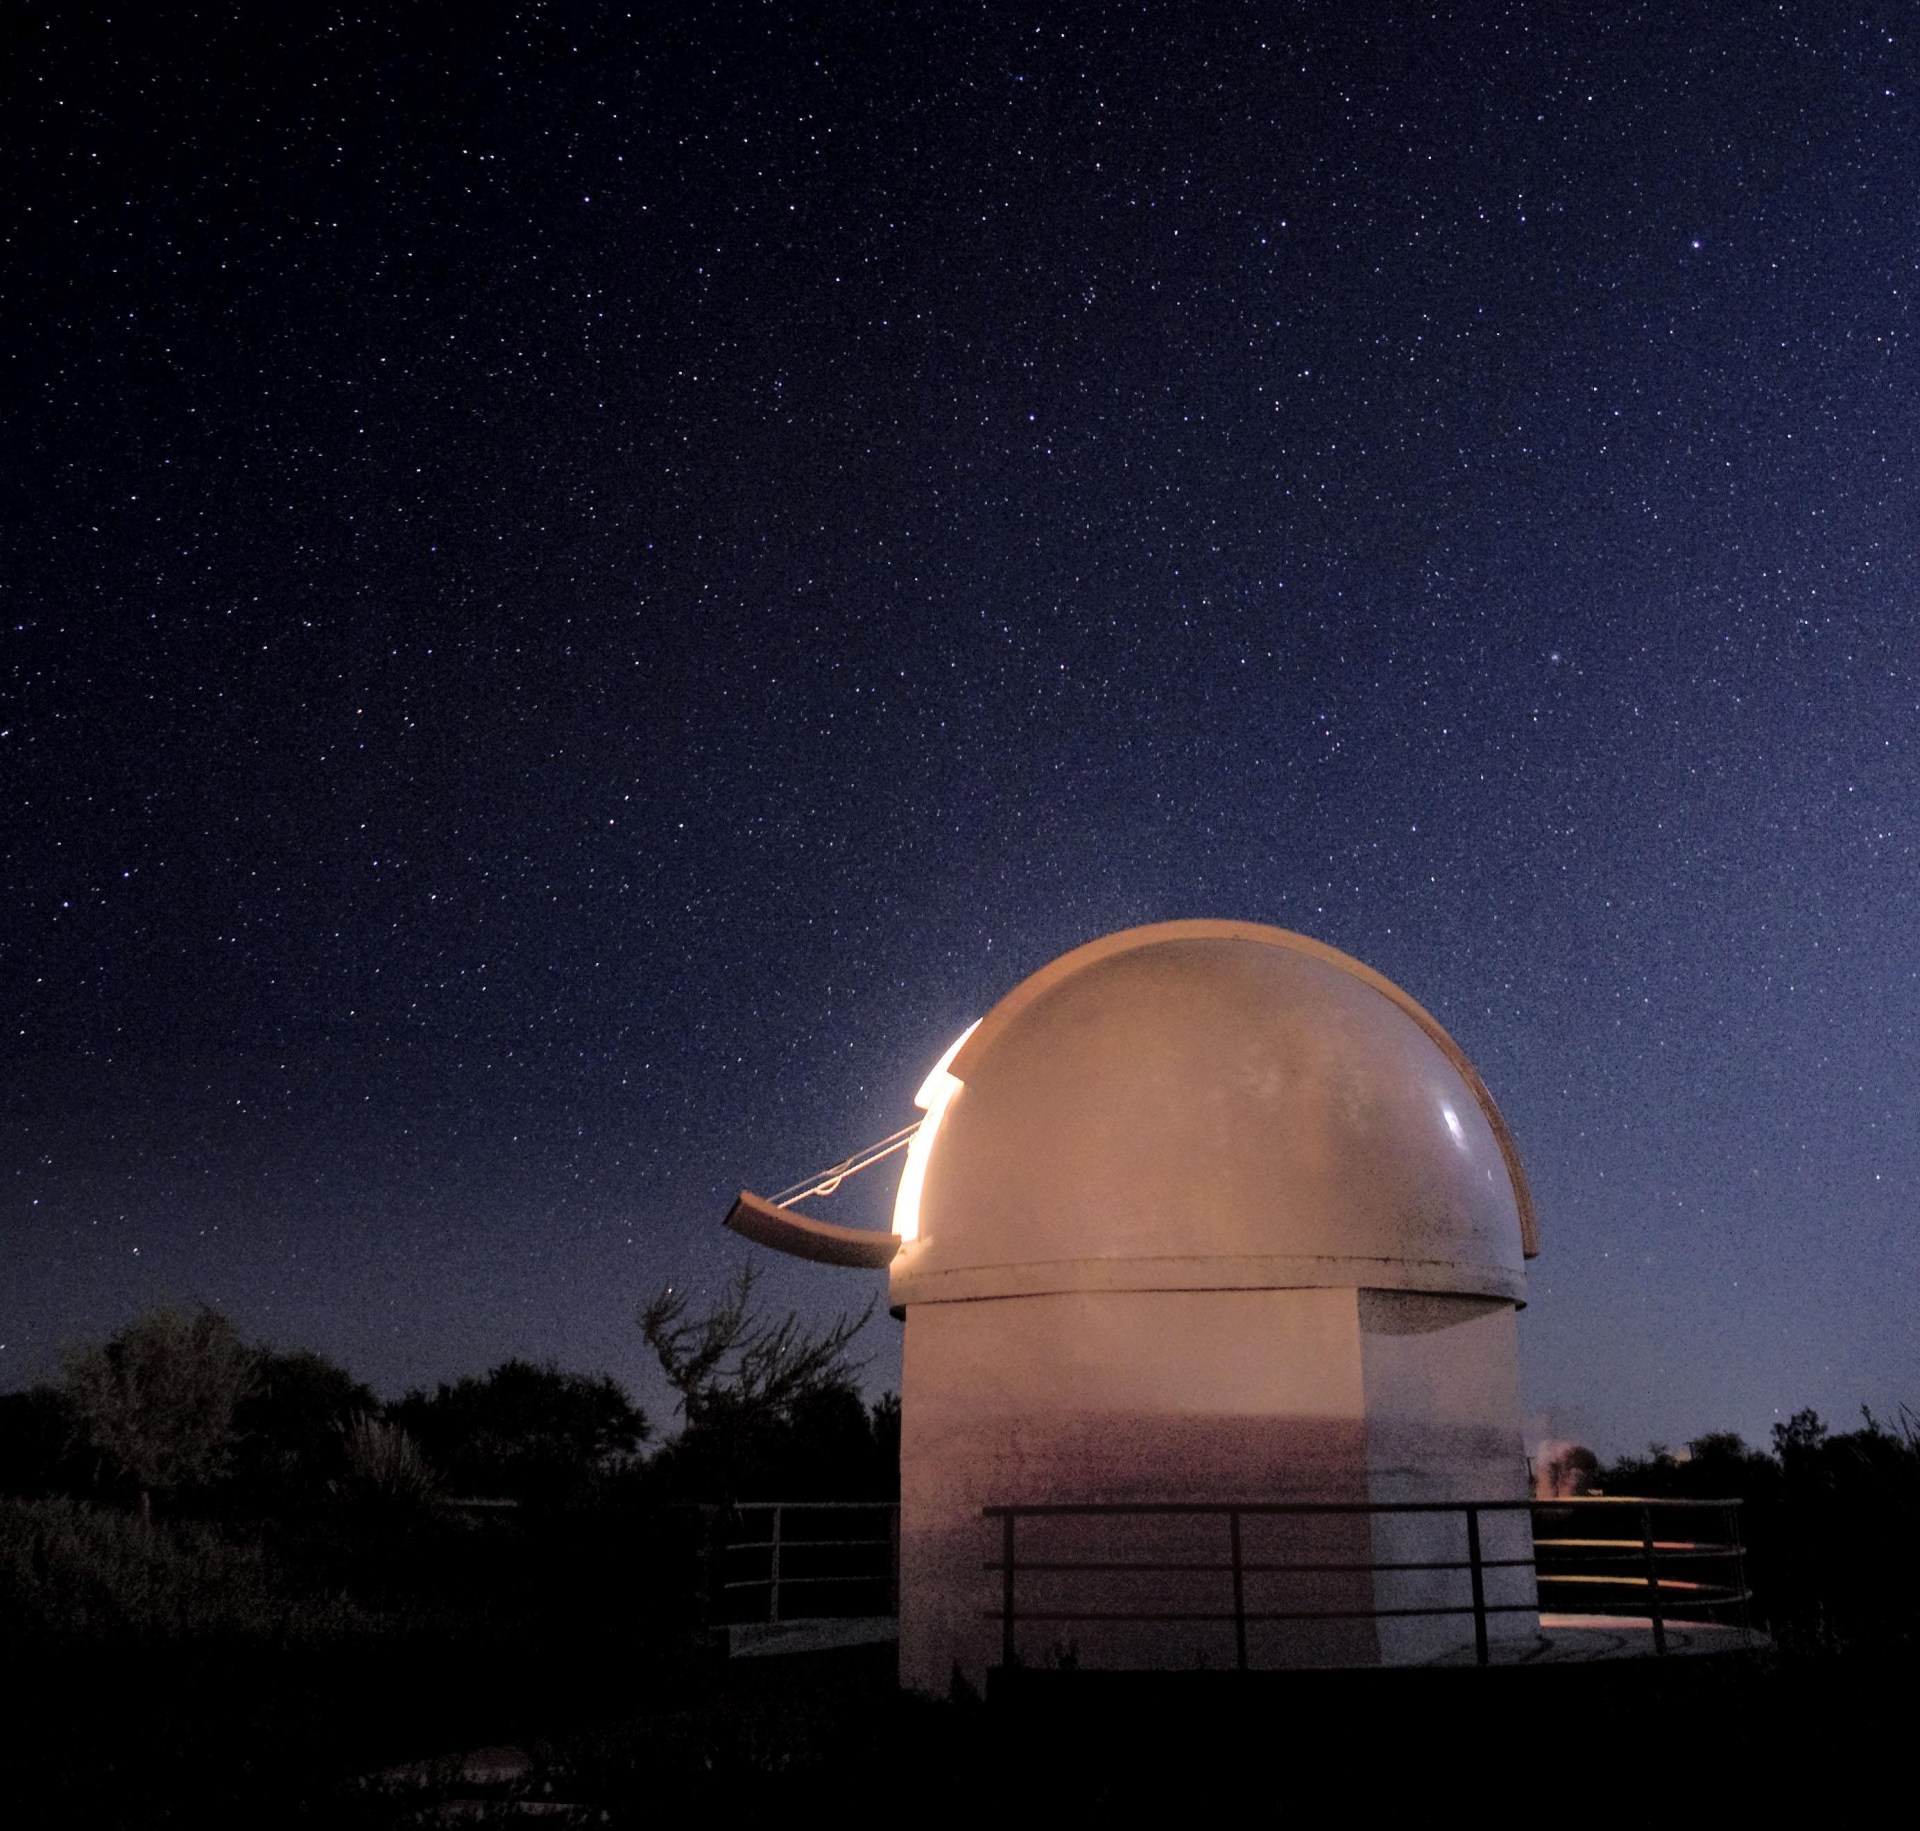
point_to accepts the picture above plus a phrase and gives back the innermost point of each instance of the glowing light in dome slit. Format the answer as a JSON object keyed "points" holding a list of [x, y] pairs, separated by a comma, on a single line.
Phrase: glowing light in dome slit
{"points": [[935, 1092]]}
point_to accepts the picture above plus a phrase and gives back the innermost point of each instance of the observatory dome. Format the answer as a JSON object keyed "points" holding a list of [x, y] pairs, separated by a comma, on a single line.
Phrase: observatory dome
{"points": [[1208, 1106]]}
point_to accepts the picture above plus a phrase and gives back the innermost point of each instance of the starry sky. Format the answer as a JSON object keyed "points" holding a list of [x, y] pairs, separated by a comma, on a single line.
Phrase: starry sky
{"points": [[584, 587]]}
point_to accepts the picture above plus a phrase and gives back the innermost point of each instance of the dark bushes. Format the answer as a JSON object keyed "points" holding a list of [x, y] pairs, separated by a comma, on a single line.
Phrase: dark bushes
{"points": [[1830, 1524], [73, 1572]]}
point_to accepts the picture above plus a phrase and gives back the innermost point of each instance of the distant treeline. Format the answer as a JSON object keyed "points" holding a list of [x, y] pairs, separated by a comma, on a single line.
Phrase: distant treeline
{"points": [[177, 1411]]}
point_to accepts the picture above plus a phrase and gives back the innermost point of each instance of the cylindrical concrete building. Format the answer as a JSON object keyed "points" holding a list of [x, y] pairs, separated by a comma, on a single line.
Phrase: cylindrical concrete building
{"points": [[1207, 1211]]}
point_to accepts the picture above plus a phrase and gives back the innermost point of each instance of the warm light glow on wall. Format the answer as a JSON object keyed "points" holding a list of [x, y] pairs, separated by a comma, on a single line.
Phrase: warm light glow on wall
{"points": [[935, 1091]]}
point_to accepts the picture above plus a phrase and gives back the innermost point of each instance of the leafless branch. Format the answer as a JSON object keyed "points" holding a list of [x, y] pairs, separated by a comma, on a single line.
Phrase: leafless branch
{"points": [[727, 1359]]}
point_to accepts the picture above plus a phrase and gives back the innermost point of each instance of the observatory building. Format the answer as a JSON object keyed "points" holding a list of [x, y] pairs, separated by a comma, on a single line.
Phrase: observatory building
{"points": [[1201, 1212]]}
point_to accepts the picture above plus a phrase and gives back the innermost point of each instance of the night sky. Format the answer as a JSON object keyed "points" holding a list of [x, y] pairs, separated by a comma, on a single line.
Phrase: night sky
{"points": [[583, 589]]}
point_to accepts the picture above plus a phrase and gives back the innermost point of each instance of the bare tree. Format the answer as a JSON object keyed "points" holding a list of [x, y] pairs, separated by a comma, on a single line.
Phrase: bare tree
{"points": [[157, 1400], [727, 1362]]}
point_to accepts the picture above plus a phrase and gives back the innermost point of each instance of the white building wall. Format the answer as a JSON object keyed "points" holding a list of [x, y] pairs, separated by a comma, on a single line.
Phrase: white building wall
{"points": [[1135, 1396], [1320, 1394], [1443, 1423]]}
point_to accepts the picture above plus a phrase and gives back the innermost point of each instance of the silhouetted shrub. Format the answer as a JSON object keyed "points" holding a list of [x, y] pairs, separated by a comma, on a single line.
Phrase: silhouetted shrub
{"points": [[70, 1571], [384, 1465]]}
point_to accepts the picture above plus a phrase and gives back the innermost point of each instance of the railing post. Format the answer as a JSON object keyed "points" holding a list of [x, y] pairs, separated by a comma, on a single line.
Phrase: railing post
{"points": [[893, 1553], [712, 1565], [1533, 1551], [773, 1571], [1479, 1587], [1653, 1581], [1732, 1511], [1239, 1596], [1006, 1589]]}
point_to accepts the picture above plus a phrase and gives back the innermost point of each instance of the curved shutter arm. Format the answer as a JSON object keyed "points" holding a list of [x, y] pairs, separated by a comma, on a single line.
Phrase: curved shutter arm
{"points": [[759, 1220]]}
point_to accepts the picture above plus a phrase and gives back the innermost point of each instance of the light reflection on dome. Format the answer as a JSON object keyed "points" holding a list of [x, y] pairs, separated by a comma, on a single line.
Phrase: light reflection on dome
{"points": [[935, 1092]]}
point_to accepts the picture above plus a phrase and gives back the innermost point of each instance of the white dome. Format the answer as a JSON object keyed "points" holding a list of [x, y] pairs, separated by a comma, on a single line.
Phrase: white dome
{"points": [[1213, 1105]]}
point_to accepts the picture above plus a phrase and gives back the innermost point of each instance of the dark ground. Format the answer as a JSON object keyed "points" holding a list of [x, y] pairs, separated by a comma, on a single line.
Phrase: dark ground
{"points": [[211, 1737]]}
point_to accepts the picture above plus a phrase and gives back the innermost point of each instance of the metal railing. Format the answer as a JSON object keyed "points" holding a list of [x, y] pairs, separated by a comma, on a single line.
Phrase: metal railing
{"points": [[805, 1548], [1633, 1567], [1614, 1573]]}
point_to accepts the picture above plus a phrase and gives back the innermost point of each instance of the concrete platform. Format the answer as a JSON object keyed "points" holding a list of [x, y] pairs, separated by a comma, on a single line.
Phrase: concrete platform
{"points": [[1575, 1640]]}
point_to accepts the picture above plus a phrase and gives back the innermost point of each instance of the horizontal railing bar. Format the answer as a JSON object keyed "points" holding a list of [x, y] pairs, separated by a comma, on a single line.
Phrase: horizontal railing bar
{"points": [[1052, 1509], [1670, 1501], [871, 1576], [1695, 1600], [1674, 1547], [814, 1506], [1615, 1551], [807, 1544], [1262, 1569], [1625, 1563], [1696, 1611], [1023, 1565], [1321, 1614]]}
